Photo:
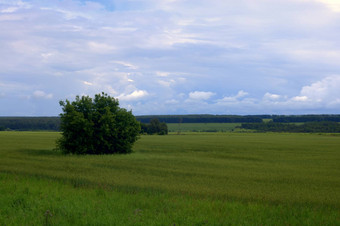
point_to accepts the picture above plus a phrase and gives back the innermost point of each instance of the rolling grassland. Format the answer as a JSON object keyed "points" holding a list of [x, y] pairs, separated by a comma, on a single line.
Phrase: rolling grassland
{"points": [[187, 179], [202, 127]]}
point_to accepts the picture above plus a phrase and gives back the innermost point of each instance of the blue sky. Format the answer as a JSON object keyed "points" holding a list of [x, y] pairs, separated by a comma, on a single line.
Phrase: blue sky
{"points": [[172, 56]]}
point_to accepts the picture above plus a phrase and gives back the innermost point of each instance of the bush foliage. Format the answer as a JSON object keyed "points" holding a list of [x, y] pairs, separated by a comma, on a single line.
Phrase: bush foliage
{"points": [[96, 126], [155, 127]]}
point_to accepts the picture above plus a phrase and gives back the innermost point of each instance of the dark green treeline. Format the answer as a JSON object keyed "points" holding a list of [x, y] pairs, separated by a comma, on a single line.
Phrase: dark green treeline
{"points": [[53, 123]]}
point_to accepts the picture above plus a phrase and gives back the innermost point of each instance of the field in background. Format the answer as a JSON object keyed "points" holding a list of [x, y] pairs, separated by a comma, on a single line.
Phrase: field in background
{"points": [[202, 127], [188, 179]]}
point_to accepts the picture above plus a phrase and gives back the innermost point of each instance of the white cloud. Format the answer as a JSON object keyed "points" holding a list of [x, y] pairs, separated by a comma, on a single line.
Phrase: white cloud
{"points": [[109, 89], [88, 83], [238, 96], [126, 64], [270, 96], [162, 73], [172, 101], [332, 4], [167, 83], [101, 47], [300, 98], [46, 55], [325, 90], [9, 10], [200, 95], [323, 94], [42, 95], [135, 95]]}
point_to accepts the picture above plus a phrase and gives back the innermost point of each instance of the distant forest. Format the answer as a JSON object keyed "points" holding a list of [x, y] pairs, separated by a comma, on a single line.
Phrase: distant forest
{"points": [[306, 118], [30, 123], [307, 127], [254, 122], [200, 118]]}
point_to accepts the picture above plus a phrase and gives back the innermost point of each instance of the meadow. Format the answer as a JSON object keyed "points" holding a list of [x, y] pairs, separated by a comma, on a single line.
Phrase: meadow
{"points": [[187, 179], [202, 127]]}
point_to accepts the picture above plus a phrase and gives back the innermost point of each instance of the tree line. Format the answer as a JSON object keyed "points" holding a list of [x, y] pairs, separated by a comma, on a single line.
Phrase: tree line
{"points": [[307, 127], [200, 118], [154, 126], [306, 118], [53, 123], [29, 123]]}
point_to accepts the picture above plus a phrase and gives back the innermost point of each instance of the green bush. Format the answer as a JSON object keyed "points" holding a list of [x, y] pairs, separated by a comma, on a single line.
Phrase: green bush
{"points": [[96, 126], [155, 127]]}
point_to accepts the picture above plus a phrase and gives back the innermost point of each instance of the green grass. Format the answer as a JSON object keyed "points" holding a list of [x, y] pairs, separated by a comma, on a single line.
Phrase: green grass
{"points": [[192, 179], [202, 127]]}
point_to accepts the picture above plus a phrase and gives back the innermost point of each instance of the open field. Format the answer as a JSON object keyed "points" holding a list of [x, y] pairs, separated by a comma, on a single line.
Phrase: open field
{"points": [[202, 127], [191, 179]]}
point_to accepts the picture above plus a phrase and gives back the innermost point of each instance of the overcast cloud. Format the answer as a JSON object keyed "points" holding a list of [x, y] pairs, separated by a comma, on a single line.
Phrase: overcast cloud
{"points": [[171, 56]]}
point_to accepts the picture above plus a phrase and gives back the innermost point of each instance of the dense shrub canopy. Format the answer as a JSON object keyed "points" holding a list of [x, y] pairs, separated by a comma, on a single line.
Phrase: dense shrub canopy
{"points": [[96, 126], [155, 127]]}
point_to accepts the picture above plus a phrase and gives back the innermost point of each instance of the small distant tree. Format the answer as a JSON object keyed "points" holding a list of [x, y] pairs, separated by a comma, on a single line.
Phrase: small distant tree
{"points": [[96, 126], [144, 128], [155, 127]]}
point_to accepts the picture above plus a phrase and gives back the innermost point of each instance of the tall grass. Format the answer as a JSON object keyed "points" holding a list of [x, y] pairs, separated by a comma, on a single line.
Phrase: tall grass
{"points": [[195, 179]]}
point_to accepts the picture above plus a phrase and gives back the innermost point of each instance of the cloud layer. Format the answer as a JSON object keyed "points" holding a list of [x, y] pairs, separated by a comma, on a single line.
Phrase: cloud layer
{"points": [[172, 57]]}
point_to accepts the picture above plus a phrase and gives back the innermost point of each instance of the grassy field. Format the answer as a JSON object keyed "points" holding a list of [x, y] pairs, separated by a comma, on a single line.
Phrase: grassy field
{"points": [[202, 127], [190, 179]]}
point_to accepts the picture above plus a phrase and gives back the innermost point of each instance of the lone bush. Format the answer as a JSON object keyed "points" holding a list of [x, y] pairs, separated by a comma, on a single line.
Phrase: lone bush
{"points": [[155, 127], [96, 126]]}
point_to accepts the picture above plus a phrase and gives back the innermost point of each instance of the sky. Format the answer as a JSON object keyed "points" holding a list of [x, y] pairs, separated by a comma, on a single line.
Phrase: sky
{"points": [[240, 57]]}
